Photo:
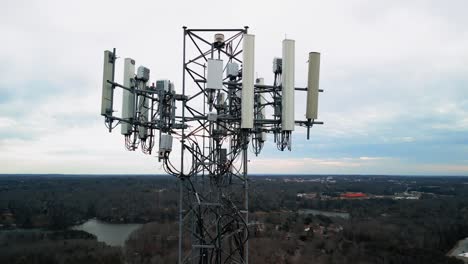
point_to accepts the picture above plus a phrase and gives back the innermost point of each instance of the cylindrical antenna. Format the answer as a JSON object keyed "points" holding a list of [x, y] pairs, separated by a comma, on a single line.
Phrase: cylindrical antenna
{"points": [[287, 84], [313, 86], [248, 79], [128, 98]]}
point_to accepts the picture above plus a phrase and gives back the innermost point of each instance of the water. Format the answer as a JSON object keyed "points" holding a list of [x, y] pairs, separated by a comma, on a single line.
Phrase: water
{"points": [[324, 213], [111, 234], [460, 248]]}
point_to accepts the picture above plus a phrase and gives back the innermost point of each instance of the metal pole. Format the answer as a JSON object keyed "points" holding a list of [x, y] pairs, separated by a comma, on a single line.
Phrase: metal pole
{"points": [[181, 219], [246, 195], [246, 187], [181, 189]]}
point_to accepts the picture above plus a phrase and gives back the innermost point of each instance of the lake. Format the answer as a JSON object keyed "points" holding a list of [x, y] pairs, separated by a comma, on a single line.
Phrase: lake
{"points": [[460, 249], [324, 213], [111, 234]]}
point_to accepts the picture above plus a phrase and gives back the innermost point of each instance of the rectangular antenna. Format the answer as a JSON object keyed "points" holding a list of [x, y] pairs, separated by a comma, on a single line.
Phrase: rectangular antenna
{"points": [[248, 79], [287, 83], [214, 78], [163, 85], [128, 98], [313, 85], [107, 91], [144, 109], [261, 81]]}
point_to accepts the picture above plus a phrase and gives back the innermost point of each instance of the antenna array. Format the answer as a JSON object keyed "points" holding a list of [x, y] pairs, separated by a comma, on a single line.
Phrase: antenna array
{"points": [[221, 110]]}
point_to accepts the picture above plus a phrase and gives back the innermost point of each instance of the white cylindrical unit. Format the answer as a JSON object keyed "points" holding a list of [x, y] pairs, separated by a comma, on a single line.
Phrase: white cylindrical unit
{"points": [[313, 85], [287, 84], [248, 79], [128, 98], [261, 81]]}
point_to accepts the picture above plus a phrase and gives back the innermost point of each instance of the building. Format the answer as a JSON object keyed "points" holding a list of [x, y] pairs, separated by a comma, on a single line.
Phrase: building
{"points": [[351, 195]]}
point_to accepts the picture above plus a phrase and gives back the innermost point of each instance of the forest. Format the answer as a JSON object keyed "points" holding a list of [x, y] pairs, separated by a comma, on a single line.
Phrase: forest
{"points": [[36, 212]]}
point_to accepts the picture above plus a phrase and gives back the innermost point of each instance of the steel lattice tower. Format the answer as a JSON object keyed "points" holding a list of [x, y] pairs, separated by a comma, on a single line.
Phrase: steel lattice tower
{"points": [[213, 219]]}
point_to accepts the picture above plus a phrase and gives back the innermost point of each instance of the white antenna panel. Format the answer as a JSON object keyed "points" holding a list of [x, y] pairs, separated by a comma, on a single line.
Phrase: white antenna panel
{"points": [[107, 91], [163, 84], [248, 79], [287, 83], [128, 98], [232, 69], [261, 81], [143, 107], [214, 78], [313, 85], [143, 73]]}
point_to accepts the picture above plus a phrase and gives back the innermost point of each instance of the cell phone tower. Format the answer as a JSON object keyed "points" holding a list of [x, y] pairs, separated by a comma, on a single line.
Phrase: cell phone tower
{"points": [[220, 109]]}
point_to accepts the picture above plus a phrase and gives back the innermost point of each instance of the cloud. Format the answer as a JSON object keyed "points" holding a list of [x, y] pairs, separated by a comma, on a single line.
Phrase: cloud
{"points": [[361, 165], [394, 75], [371, 158]]}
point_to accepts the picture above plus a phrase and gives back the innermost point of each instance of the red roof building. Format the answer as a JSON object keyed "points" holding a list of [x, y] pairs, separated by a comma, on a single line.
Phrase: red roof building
{"points": [[351, 195]]}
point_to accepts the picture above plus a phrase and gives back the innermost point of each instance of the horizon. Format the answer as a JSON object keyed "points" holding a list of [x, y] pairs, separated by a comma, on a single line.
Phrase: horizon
{"points": [[254, 175]]}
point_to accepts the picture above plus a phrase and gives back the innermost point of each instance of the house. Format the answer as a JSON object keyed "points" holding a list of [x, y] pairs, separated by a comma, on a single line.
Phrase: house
{"points": [[353, 195]]}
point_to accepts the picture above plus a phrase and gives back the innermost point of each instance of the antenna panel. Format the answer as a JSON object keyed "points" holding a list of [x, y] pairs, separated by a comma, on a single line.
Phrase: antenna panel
{"points": [[313, 85], [163, 85], [128, 98], [248, 79], [143, 107], [287, 83], [143, 73], [107, 91], [232, 69], [277, 65], [261, 81], [214, 78], [165, 145]]}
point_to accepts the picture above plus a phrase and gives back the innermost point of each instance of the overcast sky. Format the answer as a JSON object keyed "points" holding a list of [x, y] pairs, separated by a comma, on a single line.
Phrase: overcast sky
{"points": [[395, 75]]}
